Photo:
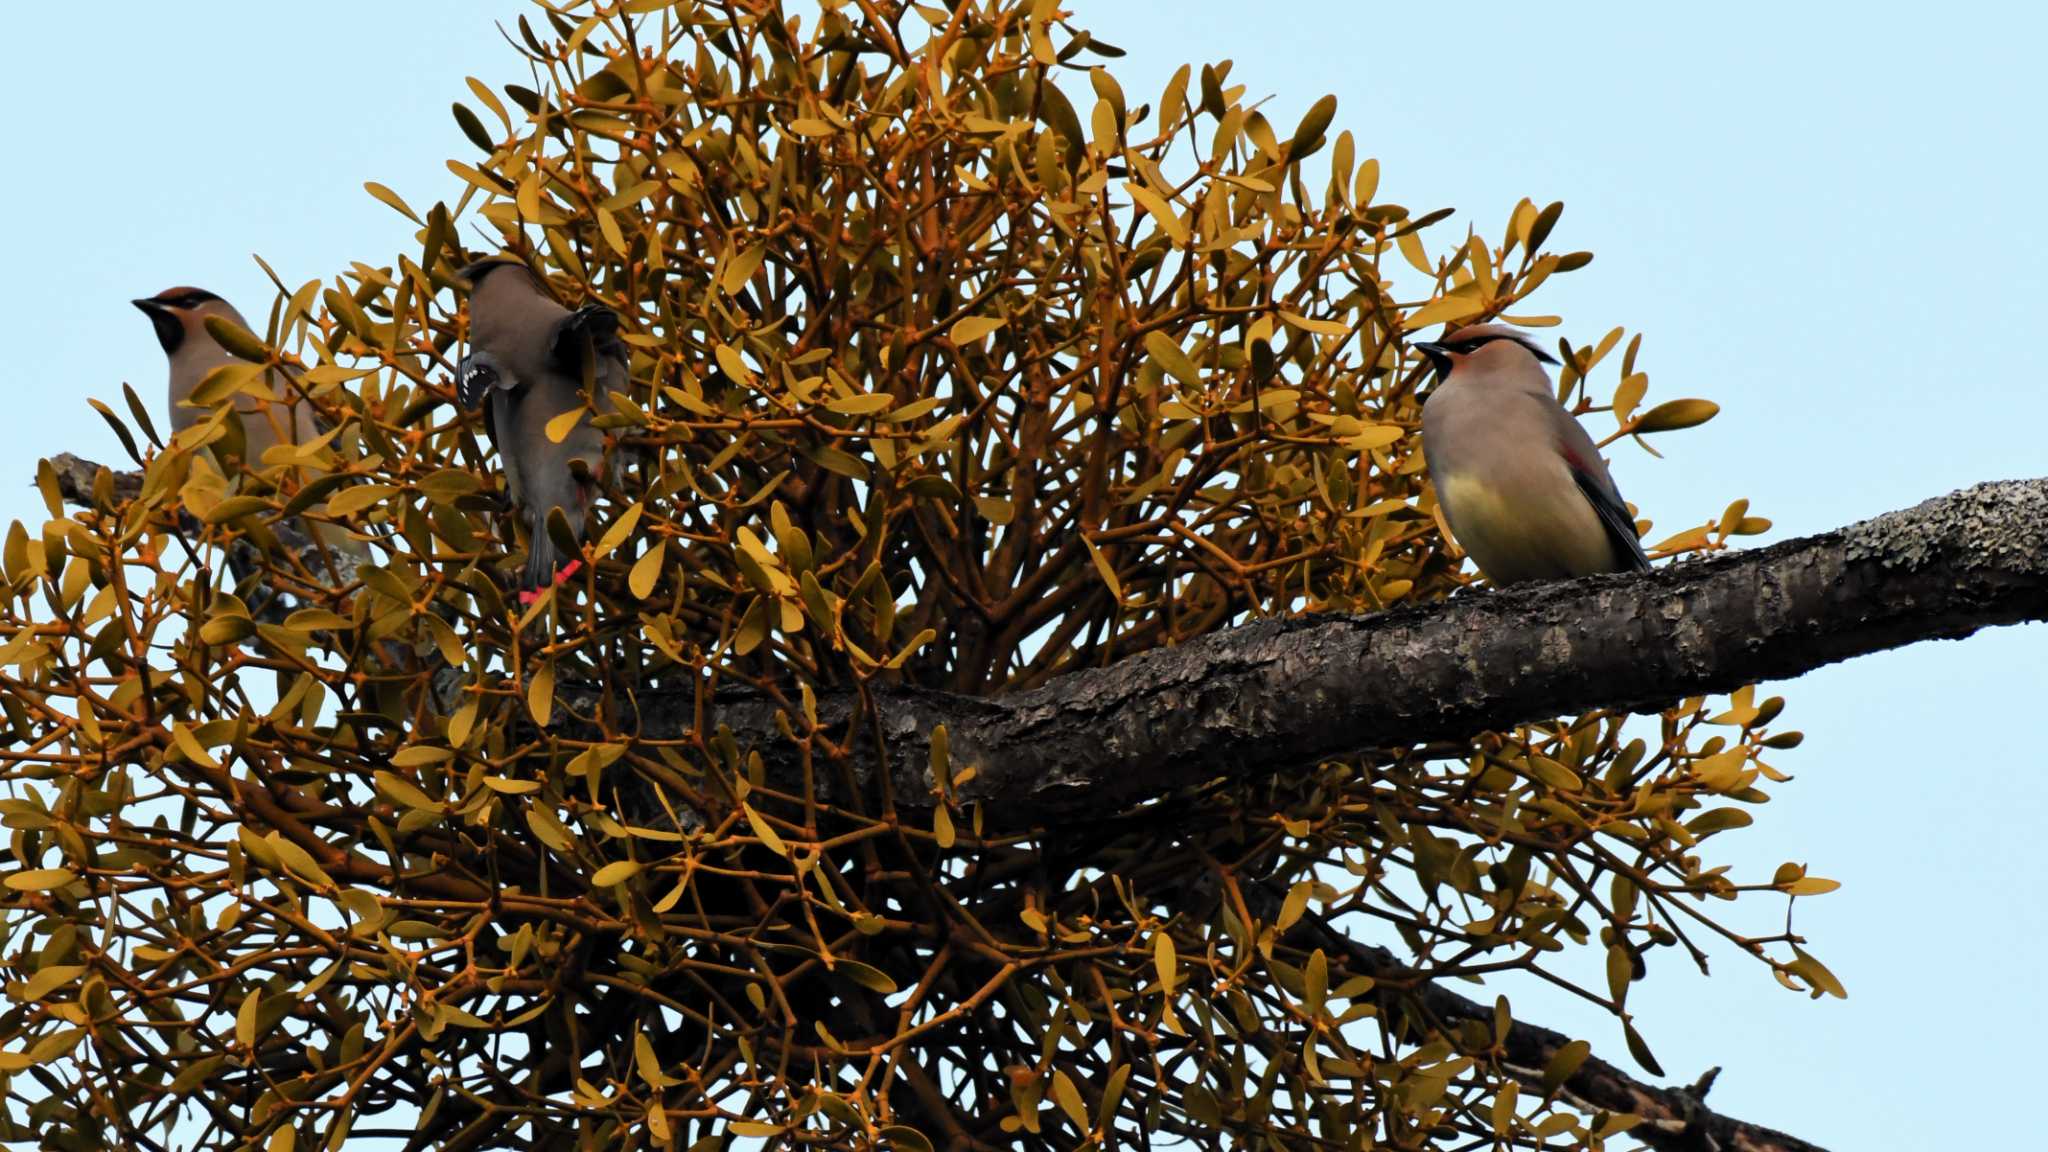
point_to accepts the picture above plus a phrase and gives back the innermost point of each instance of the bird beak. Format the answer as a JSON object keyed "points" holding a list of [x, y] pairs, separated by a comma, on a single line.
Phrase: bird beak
{"points": [[1439, 356], [169, 331]]}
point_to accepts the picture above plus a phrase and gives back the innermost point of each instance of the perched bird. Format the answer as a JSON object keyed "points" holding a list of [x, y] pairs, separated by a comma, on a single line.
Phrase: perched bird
{"points": [[179, 317], [1524, 489], [534, 360]]}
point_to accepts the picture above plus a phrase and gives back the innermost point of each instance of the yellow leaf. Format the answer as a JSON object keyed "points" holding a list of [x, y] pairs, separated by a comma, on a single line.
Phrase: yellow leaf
{"points": [[1165, 962], [646, 570], [763, 832], [1628, 394], [1162, 348], [298, 861], [245, 1018], [616, 872], [511, 787], [730, 363], [971, 329], [190, 746], [942, 827], [867, 976], [540, 694], [40, 879], [620, 530], [1069, 1099], [807, 126], [1674, 414], [648, 1065], [1817, 974], [406, 792], [1374, 436], [1811, 886], [1103, 567], [393, 199], [608, 227], [1444, 310], [417, 754], [865, 404], [1367, 183], [46, 980], [351, 501], [558, 429], [742, 269], [1162, 212], [1317, 326], [549, 828]]}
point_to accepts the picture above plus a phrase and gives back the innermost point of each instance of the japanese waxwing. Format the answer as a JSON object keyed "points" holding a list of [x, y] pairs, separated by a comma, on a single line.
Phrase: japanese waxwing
{"points": [[1524, 489], [179, 316], [531, 360]]}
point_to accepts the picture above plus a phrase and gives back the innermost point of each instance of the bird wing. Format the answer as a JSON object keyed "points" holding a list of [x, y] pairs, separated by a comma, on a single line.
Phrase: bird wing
{"points": [[1590, 472], [476, 375], [1614, 516], [591, 330]]}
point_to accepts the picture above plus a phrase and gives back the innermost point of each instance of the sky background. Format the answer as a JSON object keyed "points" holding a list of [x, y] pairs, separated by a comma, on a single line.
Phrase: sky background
{"points": [[1828, 225]]}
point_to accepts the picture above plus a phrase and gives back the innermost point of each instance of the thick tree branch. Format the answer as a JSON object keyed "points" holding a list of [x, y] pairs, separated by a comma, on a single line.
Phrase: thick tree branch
{"points": [[1280, 693]]}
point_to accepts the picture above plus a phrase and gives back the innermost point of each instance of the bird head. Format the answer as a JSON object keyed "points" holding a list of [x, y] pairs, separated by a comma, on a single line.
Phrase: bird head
{"points": [[476, 270], [1474, 341], [176, 313]]}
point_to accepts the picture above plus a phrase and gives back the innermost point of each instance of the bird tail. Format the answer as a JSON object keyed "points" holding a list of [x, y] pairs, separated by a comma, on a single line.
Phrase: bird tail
{"points": [[550, 540], [541, 561]]}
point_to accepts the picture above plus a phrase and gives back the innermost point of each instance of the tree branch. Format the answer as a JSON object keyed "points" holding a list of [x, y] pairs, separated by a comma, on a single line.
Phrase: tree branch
{"points": [[1673, 1119], [1280, 693]]}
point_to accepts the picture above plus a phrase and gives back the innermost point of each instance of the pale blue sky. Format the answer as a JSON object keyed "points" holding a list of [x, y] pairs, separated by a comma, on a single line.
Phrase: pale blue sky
{"points": [[1830, 224]]}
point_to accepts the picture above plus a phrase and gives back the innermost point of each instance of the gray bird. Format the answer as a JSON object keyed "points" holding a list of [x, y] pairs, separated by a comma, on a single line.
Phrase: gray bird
{"points": [[179, 317], [535, 360], [1525, 491]]}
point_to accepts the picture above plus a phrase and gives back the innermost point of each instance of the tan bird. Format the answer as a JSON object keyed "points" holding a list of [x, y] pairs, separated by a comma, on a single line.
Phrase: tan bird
{"points": [[530, 360], [179, 317], [1525, 491]]}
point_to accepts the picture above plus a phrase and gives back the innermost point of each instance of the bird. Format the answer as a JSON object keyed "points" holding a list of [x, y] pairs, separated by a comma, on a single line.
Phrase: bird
{"points": [[531, 360], [1524, 489], [179, 317]]}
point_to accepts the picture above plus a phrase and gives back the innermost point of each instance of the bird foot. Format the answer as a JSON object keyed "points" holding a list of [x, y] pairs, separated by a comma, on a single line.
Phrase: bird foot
{"points": [[528, 596]]}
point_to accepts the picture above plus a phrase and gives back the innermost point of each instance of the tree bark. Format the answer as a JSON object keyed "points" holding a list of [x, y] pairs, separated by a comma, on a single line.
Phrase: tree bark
{"points": [[1278, 693]]}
